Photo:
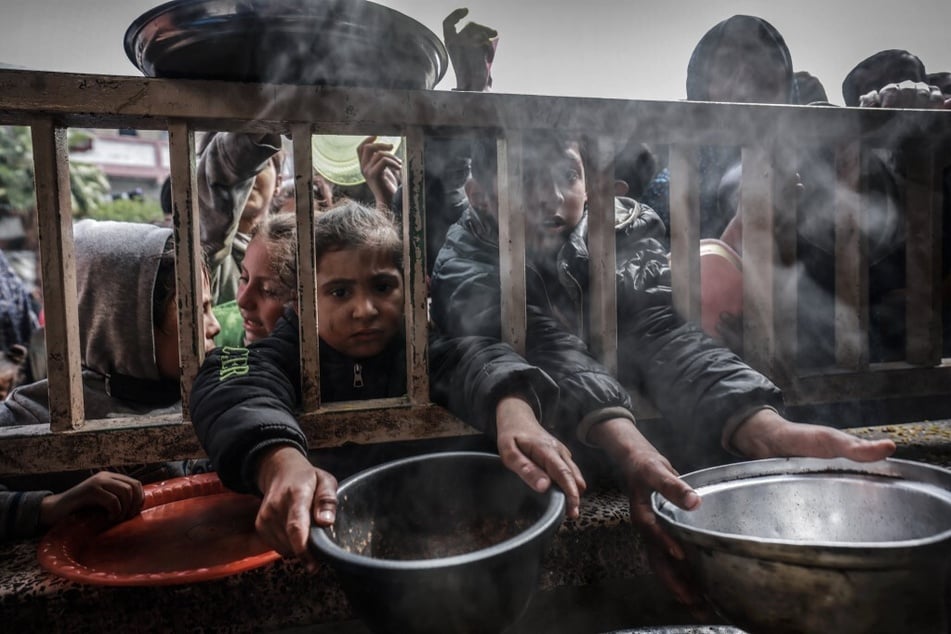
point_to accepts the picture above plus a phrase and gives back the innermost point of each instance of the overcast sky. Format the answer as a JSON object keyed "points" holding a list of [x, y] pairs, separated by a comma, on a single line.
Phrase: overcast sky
{"points": [[628, 49]]}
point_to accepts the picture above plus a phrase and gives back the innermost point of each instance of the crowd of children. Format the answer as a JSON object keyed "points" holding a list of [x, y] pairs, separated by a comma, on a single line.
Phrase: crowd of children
{"points": [[554, 411]]}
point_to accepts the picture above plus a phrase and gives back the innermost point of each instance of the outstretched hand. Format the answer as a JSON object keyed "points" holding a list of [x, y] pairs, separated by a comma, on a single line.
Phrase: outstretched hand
{"points": [[295, 493], [766, 434], [644, 470], [118, 495], [471, 51], [382, 170], [536, 456]]}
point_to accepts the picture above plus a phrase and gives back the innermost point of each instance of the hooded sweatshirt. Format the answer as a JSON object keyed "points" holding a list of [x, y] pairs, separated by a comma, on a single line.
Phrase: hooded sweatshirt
{"points": [[116, 267]]}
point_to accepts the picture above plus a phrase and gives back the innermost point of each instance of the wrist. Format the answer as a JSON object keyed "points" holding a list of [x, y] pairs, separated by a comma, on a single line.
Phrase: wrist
{"points": [[47, 515], [617, 437], [273, 461]]}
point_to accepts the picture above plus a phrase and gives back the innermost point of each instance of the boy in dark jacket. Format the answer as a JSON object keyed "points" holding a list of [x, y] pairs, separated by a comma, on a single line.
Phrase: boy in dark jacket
{"points": [[243, 400], [712, 397]]}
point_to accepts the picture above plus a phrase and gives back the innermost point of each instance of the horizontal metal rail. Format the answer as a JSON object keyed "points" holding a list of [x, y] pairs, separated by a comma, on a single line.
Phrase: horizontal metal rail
{"points": [[51, 102]]}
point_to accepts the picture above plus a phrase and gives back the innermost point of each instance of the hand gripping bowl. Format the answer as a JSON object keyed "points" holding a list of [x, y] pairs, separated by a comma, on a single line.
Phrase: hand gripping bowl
{"points": [[811, 545], [306, 42], [443, 542]]}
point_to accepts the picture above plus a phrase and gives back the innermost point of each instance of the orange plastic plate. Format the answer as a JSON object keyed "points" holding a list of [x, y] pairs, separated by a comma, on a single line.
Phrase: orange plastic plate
{"points": [[190, 529]]}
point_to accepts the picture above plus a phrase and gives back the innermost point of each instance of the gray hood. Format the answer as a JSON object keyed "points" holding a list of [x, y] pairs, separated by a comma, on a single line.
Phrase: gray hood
{"points": [[116, 266]]}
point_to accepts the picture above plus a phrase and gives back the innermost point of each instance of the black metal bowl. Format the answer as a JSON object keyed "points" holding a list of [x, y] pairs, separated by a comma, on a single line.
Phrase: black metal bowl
{"points": [[308, 42], [445, 542]]}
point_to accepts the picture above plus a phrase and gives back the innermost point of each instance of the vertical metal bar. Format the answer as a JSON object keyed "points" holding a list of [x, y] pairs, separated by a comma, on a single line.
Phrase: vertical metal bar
{"points": [[512, 241], [685, 231], [922, 257], [54, 218], [188, 272], [851, 263], [306, 266], [414, 267], [787, 275], [602, 253], [759, 259]]}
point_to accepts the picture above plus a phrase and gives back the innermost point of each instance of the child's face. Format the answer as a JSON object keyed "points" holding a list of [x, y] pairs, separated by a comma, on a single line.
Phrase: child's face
{"points": [[359, 301], [261, 294], [555, 196], [166, 333]]}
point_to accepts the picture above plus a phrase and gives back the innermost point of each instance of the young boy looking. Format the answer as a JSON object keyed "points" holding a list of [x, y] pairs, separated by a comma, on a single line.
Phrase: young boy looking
{"points": [[700, 387]]}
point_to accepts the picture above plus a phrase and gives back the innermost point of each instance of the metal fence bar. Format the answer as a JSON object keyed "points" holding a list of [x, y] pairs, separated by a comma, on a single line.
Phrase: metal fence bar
{"points": [[851, 263], [306, 266], [602, 251], [685, 230], [58, 264], [188, 272], [923, 215], [512, 240], [414, 267], [757, 207]]}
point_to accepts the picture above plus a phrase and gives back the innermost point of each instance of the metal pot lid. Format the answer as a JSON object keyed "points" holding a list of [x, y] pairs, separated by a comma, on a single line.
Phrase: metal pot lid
{"points": [[307, 42]]}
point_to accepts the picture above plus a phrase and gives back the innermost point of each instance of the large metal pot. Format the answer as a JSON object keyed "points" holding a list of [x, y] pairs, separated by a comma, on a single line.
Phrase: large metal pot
{"points": [[411, 546], [334, 42], [810, 545]]}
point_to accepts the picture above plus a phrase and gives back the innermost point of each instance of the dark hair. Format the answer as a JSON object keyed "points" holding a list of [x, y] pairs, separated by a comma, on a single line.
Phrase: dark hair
{"points": [[351, 225], [279, 231], [165, 196], [485, 154], [163, 291]]}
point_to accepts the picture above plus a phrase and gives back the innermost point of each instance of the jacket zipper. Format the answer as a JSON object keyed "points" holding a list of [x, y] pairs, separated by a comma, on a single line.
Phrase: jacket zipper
{"points": [[357, 375], [579, 304]]}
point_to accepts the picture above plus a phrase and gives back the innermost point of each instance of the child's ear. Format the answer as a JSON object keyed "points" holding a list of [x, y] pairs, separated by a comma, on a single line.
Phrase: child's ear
{"points": [[621, 188]]}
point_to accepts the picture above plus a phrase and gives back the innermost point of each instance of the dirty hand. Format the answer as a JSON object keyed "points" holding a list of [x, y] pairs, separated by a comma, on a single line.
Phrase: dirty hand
{"points": [[766, 434], [906, 94], [382, 171], [118, 495], [471, 51], [295, 492], [535, 455], [644, 471]]}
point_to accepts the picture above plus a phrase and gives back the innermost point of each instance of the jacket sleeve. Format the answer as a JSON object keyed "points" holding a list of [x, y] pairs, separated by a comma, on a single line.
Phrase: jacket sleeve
{"points": [[20, 513], [469, 375], [465, 286], [696, 384], [243, 402], [466, 303], [589, 393], [226, 172]]}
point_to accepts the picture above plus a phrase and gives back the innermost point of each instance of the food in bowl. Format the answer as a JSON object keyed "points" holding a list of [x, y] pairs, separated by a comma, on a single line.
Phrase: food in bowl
{"points": [[451, 539]]}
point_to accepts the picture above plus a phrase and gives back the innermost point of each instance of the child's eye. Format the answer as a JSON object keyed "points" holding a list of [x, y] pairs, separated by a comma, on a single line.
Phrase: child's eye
{"points": [[270, 293], [384, 287], [572, 175], [339, 293], [243, 280]]}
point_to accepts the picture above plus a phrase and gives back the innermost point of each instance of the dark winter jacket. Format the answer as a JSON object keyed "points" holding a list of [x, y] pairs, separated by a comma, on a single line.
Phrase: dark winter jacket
{"points": [[244, 399], [696, 384]]}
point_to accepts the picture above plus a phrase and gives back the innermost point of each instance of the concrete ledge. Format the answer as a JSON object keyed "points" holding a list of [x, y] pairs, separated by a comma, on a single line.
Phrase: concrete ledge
{"points": [[596, 566]]}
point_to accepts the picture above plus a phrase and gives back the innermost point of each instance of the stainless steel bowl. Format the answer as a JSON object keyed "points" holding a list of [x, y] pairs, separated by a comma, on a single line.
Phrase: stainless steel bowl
{"points": [[810, 545], [334, 42]]}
